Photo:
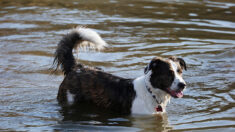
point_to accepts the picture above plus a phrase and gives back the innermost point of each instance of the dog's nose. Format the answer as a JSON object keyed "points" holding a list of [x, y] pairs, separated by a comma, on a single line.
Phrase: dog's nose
{"points": [[181, 85]]}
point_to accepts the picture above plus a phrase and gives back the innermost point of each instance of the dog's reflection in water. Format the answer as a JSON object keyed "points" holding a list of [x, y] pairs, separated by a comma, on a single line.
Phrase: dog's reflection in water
{"points": [[91, 116], [151, 123]]}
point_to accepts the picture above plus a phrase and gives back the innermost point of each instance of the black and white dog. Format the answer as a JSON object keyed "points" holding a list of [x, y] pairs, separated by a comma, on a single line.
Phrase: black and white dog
{"points": [[147, 94]]}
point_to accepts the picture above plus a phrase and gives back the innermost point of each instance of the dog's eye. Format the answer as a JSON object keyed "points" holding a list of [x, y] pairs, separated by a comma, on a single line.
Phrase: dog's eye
{"points": [[179, 71]]}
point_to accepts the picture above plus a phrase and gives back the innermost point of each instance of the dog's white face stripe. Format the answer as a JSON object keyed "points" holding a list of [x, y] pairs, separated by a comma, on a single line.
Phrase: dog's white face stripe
{"points": [[178, 78]]}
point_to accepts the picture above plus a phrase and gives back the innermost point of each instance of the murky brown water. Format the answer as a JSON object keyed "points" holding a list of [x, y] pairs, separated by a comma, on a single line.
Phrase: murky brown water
{"points": [[200, 31]]}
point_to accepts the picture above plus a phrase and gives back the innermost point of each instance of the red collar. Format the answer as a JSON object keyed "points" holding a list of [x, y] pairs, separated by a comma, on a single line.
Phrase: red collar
{"points": [[159, 108]]}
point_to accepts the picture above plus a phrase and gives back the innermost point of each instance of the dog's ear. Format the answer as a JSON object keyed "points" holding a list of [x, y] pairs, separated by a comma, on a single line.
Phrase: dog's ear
{"points": [[180, 61], [153, 64]]}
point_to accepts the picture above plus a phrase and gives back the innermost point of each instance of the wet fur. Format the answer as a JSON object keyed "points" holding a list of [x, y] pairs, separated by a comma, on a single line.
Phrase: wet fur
{"points": [[99, 88], [89, 84]]}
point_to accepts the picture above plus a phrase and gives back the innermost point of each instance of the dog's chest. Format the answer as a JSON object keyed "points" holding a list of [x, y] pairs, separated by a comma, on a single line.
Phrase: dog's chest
{"points": [[142, 104], [139, 107]]}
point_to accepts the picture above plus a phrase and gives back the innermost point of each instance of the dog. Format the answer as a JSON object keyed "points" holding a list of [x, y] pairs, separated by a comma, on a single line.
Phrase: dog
{"points": [[147, 94]]}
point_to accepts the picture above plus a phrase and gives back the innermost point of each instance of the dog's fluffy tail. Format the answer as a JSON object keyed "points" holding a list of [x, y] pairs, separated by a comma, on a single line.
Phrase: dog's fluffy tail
{"points": [[79, 37]]}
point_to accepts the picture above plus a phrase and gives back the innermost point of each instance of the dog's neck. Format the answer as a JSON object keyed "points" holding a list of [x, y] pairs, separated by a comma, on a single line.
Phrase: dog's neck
{"points": [[151, 92], [161, 96], [141, 85]]}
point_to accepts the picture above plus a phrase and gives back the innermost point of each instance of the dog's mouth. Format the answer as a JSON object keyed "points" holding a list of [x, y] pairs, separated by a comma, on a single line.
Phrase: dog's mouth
{"points": [[175, 94]]}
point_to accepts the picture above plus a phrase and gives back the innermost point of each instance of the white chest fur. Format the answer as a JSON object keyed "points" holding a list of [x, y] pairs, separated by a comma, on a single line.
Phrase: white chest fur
{"points": [[144, 102]]}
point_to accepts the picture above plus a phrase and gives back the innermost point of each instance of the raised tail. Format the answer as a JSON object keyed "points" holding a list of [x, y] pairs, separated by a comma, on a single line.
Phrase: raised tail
{"points": [[79, 37]]}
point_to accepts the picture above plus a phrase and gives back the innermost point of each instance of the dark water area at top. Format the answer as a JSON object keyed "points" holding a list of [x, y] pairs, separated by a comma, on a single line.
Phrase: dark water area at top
{"points": [[200, 31]]}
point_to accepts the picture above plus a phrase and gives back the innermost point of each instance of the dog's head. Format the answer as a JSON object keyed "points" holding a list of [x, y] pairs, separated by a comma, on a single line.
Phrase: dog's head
{"points": [[166, 74]]}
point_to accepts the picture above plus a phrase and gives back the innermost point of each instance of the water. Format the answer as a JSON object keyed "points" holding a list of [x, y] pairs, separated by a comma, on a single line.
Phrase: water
{"points": [[202, 32]]}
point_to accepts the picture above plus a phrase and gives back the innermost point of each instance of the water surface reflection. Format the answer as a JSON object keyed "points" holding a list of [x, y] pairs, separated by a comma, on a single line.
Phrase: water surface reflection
{"points": [[202, 32]]}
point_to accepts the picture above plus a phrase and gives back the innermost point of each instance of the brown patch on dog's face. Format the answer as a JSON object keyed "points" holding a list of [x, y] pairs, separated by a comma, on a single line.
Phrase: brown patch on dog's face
{"points": [[180, 61], [162, 74]]}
